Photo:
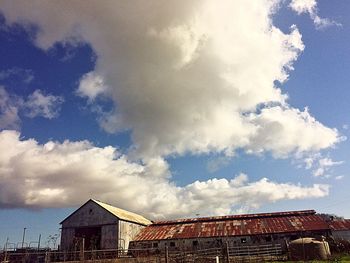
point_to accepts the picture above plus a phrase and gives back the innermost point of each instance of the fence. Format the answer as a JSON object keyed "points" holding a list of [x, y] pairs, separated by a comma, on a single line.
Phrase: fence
{"points": [[223, 254]]}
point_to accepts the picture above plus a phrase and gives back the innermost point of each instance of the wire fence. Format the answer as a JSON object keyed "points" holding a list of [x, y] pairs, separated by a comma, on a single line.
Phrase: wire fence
{"points": [[223, 254]]}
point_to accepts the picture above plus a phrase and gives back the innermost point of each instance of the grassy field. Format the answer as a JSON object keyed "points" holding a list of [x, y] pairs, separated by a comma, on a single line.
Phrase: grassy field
{"points": [[344, 258]]}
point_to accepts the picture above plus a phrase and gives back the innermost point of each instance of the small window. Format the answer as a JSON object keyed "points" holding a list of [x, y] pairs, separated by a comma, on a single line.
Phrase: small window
{"points": [[172, 244], [90, 211], [243, 240], [155, 244], [195, 243]]}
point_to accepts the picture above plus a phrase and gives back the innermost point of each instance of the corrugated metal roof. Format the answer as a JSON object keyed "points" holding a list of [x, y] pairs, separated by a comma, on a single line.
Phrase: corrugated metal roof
{"points": [[340, 225], [243, 216], [237, 225], [123, 214]]}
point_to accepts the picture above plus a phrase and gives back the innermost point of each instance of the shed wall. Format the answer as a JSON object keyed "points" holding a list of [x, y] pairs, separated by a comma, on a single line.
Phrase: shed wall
{"points": [[127, 233], [67, 237], [89, 214], [218, 242], [342, 234], [109, 236]]}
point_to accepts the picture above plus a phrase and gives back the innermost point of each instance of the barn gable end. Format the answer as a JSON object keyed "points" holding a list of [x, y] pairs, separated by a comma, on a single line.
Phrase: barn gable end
{"points": [[101, 226]]}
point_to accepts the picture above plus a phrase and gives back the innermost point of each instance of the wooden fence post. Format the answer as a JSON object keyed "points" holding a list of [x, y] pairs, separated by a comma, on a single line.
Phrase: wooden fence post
{"points": [[227, 253], [166, 254]]}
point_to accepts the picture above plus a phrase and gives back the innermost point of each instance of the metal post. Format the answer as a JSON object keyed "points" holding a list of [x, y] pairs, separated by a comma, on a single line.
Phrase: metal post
{"points": [[39, 242], [24, 234]]}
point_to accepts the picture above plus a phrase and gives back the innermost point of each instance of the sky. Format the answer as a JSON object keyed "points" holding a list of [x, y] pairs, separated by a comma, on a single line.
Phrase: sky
{"points": [[171, 109]]}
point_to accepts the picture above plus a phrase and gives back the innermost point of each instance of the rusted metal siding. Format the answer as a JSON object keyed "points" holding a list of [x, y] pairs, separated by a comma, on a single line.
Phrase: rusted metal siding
{"points": [[243, 225]]}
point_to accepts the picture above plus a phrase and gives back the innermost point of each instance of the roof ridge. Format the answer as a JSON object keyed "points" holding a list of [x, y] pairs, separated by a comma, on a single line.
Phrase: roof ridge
{"points": [[236, 217]]}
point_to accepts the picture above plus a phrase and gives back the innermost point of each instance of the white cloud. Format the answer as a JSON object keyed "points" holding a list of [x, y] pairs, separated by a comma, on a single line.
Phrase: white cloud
{"points": [[36, 104], [217, 163], [9, 107], [310, 160], [66, 174], [285, 130], [303, 6], [185, 76], [324, 164], [39, 104], [320, 165], [26, 75], [91, 85], [310, 7]]}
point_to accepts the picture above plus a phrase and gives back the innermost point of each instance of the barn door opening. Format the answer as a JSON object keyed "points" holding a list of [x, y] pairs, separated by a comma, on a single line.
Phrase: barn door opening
{"points": [[92, 236]]}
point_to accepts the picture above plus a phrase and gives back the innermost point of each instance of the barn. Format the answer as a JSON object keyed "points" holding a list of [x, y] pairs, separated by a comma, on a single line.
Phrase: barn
{"points": [[101, 226], [236, 230]]}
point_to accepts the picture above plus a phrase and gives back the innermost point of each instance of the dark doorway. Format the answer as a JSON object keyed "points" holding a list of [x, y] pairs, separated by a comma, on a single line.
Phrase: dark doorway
{"points": [[91, 235]]}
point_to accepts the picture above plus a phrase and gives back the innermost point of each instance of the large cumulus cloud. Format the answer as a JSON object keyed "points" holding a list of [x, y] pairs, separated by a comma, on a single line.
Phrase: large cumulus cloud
{"points": [[184, 76], [67, 174]]}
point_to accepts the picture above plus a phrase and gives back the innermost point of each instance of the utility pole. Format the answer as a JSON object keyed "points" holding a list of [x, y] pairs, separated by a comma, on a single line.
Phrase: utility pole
{"points": [[24, 234]]}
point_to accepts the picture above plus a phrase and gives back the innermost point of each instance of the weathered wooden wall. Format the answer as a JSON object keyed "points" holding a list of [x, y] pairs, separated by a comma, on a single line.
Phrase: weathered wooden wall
{"points": [[127, 232], [88, 216]]}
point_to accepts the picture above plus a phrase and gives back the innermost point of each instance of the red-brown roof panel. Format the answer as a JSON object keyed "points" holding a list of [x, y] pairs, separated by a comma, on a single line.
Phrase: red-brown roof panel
{"points": [[240, 225], [338, 225]]}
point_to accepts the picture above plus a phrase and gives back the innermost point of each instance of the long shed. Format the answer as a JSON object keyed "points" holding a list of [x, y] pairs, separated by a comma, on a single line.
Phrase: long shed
{"points": [[235, 230]]}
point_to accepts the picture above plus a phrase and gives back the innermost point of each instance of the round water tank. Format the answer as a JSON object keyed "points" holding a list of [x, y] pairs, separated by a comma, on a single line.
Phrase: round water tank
{"points": [[308, 249]]}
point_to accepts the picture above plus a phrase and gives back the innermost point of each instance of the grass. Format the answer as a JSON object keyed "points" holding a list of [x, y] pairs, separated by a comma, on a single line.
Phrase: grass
{"points": [[340, 258]]}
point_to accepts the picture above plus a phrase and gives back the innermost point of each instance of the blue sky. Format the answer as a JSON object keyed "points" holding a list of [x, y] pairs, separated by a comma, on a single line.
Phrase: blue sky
{"points": [[185, 109]]}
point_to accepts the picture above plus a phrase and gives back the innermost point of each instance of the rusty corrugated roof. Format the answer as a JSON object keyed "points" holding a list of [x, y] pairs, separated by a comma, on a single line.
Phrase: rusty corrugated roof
{"points": [[340, 224], [237, 225], [243, 216]]}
